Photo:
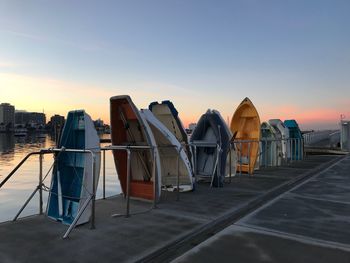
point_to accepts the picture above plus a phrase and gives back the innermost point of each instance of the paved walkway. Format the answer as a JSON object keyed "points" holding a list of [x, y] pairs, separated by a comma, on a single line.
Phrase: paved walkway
{"points": [[309, 223], [161, 234]]}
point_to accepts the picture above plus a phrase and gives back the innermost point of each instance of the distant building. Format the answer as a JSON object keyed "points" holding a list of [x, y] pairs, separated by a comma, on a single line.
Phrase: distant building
{"points": [[57, 121], [32, 120], [21, 117], [7, 117], [38, 118], [99, 125]]}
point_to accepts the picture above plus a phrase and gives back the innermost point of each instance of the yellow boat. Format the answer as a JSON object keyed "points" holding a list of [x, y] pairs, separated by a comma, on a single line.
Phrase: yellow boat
{"points": [[245, 127]]}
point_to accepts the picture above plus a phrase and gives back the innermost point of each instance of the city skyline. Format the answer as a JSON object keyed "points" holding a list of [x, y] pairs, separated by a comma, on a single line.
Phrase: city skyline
{"points": [[291, 58]]}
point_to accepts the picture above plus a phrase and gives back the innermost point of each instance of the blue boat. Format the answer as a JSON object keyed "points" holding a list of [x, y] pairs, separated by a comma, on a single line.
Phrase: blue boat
{"points": [[295, 140], [72, 177]]}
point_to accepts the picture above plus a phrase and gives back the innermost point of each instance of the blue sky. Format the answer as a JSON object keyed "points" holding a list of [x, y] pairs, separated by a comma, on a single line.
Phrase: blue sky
{"points": [[292, 58]]}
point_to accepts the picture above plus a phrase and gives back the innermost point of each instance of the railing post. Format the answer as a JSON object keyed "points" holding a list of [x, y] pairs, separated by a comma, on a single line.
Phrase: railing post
{"points": [[230, 162], [178, 175], [240, 158], [265, 159], [290, 150], [295, 150], [128, 179], [26, 203], [104, 174], [218, 167], [195, 163], [40, 184], [271, 153], [249, 158], [155, 179], [92, 226], [303, 149]]}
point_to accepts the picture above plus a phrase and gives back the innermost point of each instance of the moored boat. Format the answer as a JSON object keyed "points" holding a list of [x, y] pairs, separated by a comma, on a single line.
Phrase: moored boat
{"points": [[175, 165], [271, 147], [245, 126], [211, 141], [167, 114], [129, 128], [72, 178], [295, 140], [282, 134]]}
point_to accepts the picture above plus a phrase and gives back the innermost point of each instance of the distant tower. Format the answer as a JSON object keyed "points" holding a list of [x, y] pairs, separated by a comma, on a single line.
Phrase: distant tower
{"points": [[7, 116]]}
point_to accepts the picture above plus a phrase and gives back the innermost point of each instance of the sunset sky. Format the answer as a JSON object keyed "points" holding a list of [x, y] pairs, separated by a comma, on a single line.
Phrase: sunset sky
{"points": [[291, 58]]}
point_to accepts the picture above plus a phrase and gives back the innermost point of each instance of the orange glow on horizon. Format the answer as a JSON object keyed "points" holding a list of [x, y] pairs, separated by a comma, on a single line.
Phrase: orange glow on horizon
{"points": [[58, 97]]}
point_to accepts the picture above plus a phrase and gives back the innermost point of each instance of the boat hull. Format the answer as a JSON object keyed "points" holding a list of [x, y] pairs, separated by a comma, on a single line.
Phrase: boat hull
{"points": [[211, 140], [296, 140], [175, 165], [167, 114], [245, 126], [73, 174], [128, 127]]}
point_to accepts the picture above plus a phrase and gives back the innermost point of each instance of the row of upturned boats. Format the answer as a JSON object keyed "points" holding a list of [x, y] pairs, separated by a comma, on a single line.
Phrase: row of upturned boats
{"points": [[152, 152]]}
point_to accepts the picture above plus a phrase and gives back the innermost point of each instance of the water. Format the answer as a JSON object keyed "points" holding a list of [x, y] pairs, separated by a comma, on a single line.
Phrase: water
{"points": [[15, 192]]}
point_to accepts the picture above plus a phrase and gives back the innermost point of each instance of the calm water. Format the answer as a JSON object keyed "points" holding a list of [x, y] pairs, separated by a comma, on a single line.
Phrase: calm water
{"points": [[15, 192]]}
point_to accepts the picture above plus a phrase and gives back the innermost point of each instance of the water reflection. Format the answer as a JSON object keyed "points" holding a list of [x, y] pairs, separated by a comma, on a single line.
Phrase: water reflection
{"points": [[7, 143], [13, 149], [20, 186]]}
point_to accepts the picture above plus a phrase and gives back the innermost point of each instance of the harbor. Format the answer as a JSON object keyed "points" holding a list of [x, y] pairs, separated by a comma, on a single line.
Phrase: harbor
{"points": [[178, 193], [164, 233], [174, 131]]}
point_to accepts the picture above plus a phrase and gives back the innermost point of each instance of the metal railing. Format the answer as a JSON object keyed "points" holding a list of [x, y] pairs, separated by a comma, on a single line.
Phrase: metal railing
{"points": [[238, 145], [267, 151], [39, 187], [92, 197], [200, 144], [314, 137], [128, 150], [295, 144]]}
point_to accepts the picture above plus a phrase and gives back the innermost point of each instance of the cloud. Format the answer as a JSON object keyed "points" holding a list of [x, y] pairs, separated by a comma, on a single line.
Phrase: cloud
{"points": [[8, 64], [41, 38]]}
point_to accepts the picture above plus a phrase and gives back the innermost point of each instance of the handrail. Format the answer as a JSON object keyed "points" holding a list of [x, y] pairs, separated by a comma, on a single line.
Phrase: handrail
{"points": [[39, 187], [19, 165], [297, 147]]}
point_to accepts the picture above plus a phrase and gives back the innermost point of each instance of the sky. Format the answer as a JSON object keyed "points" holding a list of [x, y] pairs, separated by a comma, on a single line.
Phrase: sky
{"points": [[291, 58]]}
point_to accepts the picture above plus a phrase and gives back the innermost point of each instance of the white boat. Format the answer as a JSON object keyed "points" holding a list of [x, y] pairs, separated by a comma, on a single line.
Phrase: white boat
{"points": [[271, 147], [72, 177], [173, 157], [167, 114], [282, 133]]}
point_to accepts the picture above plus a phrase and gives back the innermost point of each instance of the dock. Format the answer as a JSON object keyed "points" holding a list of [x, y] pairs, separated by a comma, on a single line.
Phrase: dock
{"points": [[295, 213]]}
